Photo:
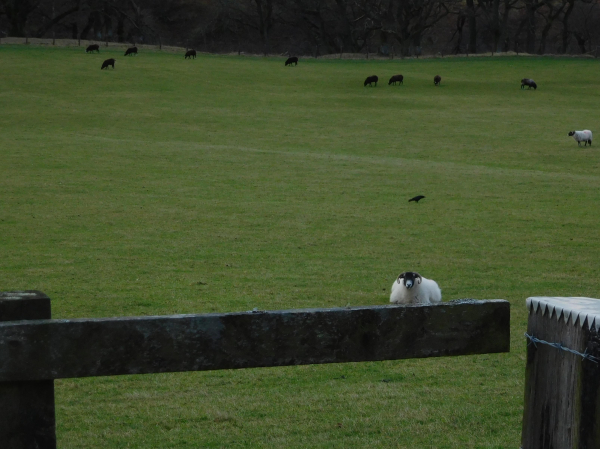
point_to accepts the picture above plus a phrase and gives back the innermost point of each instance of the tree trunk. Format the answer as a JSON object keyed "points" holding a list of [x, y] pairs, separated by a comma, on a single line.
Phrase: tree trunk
{"points": [[581, 40], [472, 27], [17, 14], [530, 8], [542, 47], [565, 21], [405, 45], [121, 29], [86, 29], [504, 40], [496, 26], [460, 23]]}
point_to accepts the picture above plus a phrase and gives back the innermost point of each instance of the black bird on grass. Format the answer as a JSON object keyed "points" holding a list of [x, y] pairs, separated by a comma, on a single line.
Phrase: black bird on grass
{"points": [[416, 198]]}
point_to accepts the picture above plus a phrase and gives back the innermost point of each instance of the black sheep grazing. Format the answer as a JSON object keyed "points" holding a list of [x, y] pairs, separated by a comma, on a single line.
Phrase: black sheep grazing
{"points": [[292, 60], [437, 80], [131, 51], [108, 62], [370, 80], [92, 48], [528, 82], [190, 54], [396, 79]]}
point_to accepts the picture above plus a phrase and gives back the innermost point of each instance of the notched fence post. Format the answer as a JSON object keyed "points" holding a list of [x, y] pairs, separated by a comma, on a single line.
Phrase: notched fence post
{"points": [[562, 375], [27, 419]]}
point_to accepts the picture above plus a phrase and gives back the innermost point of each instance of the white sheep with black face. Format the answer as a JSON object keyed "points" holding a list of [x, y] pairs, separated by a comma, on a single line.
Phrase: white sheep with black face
{"points": [[412, 288], [582, 136]]}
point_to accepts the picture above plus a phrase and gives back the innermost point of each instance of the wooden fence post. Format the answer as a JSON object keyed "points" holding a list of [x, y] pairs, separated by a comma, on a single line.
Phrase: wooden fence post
{"points": [[562, 374], [27, 419]]}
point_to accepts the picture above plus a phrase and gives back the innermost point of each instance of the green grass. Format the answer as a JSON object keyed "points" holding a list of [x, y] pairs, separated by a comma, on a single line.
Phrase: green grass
{"points": [[225, 183]]}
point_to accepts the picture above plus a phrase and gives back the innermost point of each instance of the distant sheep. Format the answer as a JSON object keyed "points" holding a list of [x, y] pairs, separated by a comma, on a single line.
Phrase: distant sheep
{"points": [[582, 136], [190, 54], [370, 80], [437, 80], [92, 48], [292, 60], [108, 62], [528, 82], [396, 79], [412, 288], [131, 51]]}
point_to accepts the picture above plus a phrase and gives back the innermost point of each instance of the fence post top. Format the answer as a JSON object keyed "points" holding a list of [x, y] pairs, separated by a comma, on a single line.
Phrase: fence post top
{"points": [[24, 305], [576, 309], [22, 294]]}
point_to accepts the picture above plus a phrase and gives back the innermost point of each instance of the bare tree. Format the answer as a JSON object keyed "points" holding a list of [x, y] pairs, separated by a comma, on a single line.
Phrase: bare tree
{"points": [[585, 24], [471, 14], [17, 13], [497, 15], [314, 26], [258, 15], [550, 12], [54, 13], [566, 33], [407, 20]]}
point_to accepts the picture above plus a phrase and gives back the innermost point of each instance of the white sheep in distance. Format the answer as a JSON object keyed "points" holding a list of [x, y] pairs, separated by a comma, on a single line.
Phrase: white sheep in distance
{"points": [[582, 136], [412, 288]]}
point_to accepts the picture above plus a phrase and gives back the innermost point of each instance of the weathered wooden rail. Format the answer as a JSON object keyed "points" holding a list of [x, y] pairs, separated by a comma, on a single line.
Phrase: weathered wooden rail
{"points": [[35, 350]]}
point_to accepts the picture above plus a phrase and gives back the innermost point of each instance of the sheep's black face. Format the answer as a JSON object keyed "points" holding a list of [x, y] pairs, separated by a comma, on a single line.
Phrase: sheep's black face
{"points": [[571, 133], [409, 279]]}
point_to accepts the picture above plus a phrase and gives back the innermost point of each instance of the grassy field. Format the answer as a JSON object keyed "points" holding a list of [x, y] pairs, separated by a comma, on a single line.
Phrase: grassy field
{"points": [[226, 183]]}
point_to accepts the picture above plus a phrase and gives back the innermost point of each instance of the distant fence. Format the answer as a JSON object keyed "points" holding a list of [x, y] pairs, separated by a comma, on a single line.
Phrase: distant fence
{"points": [[35, 350], [84, 43], [122, 45]]}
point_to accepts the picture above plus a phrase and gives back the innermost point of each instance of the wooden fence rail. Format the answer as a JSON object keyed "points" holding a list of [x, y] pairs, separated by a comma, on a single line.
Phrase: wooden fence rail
{"points": [[35, 351]]}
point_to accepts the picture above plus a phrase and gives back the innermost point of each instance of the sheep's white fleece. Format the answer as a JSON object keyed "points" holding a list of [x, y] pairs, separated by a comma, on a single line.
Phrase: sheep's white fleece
{"points": [[582, 136], [427, 292]]}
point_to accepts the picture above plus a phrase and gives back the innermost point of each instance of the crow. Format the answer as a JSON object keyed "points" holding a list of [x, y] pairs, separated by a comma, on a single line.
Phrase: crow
{"points": [[416, 198]]}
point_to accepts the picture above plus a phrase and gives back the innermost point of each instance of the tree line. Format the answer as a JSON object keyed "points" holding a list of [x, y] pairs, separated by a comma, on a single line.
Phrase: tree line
{"points": [[317, 27]]}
